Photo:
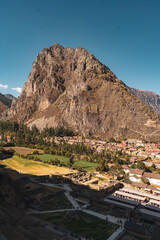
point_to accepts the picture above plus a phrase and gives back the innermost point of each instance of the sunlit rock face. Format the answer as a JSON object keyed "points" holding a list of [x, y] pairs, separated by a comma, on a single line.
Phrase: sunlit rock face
{"points": [[72, 88]]}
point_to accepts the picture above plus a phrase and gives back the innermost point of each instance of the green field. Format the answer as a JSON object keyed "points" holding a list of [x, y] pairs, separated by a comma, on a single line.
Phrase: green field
{"points": [[81, 223], [47, 157], [88, 166]]}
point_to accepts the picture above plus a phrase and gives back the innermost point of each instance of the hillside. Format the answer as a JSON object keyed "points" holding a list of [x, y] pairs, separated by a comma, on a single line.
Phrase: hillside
{"points": [[150, 98], [5, 102], [9, 96], [72, 88]]}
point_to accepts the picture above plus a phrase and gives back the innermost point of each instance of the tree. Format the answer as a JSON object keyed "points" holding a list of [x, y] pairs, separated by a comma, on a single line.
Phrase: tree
{"points": [[71, 161], [102, 166], [112, 139], [141, 165]]}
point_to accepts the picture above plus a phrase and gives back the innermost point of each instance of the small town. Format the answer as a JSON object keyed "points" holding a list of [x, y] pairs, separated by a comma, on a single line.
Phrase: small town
{"points": [[130, 200]]}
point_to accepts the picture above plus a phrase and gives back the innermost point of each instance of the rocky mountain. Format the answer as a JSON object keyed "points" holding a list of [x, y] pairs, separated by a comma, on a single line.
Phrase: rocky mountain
{"points": [[150, 98], [4, 102], [72, 88]]}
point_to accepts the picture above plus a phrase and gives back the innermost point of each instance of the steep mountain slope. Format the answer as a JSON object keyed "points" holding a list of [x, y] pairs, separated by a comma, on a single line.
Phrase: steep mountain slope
{"points": [[150, 98], [4, 103], [72, 88]]}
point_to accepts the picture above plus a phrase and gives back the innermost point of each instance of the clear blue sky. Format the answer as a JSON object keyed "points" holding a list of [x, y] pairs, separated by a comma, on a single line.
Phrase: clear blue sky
{"points": [[122, 34]]}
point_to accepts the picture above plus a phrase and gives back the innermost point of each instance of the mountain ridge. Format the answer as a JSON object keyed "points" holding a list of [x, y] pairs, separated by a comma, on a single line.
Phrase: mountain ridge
{"points": [[5, 103], [150, 98]]}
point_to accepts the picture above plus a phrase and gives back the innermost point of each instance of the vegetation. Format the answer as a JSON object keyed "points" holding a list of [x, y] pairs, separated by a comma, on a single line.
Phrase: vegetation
{"points": [[76, 156], [80, 165], [27, 166], [82, 224], [142, 166], [21, 135]]}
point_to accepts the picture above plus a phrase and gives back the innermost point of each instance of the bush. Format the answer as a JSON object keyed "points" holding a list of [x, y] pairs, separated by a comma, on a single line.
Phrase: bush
{"points": [[36, 152]]}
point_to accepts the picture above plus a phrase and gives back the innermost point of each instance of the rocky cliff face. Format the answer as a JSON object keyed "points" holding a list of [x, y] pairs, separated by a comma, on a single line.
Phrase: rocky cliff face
{"points": [[4, 103], [72, 88], [150, 98]]}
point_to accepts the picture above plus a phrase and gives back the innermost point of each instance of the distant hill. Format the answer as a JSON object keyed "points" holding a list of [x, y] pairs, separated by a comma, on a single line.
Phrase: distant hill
{"points": [[5, 102], [150, 98], [71, 88], [9, 96]]}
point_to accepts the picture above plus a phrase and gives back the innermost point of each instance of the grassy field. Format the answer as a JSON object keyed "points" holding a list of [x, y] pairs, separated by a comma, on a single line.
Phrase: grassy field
{"points": [[88, 166], [32, 167], [47, 157], [58, 202], [23, 165], [81, 223]]}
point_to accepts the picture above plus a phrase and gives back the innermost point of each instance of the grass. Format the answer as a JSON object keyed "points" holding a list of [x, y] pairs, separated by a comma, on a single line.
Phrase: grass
{"points": [[47, 157], [82, 224], [60, 202], [33, 167], [88, 166]]}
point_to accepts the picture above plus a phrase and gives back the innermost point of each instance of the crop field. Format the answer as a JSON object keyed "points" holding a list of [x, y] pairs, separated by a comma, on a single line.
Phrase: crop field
{"points": [[23, 150], [35, 168], [32, 165], [88, 166], [47, 157]]}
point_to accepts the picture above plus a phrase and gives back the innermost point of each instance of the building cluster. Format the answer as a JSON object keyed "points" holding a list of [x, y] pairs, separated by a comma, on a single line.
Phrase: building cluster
{"points": [[136, 148], [138, 175]]}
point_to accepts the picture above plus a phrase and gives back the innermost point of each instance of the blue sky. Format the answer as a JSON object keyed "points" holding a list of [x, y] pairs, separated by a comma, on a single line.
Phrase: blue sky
{"points": [[122, 34]]}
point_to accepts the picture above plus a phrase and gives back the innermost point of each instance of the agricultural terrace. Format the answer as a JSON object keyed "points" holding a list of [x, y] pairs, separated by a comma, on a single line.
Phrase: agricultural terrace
{"points": [[32, 167]]}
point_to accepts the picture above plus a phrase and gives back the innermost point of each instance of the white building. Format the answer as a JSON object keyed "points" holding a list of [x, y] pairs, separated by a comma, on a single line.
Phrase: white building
{"points": [[153, 178]]}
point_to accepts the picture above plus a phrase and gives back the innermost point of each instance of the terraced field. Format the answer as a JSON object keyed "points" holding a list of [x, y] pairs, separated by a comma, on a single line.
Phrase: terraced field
{"points": [[32, 167]]}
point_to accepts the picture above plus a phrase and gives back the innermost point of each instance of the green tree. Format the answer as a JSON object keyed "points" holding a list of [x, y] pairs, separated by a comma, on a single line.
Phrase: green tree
{"points": [[71, 161]]}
